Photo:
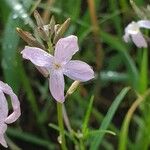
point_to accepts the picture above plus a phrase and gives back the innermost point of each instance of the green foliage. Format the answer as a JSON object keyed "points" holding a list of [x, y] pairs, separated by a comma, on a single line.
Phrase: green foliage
{"points": [[9, 53], [108, 118]]}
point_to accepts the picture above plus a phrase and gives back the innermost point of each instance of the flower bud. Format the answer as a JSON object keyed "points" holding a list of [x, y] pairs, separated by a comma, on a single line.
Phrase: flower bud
{"points": [[27, 37], [73, 87], [52, 26], [38, 19], [43, 32], [62, 29]]}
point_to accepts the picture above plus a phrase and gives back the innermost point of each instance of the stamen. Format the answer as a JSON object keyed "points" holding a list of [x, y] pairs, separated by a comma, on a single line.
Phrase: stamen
{"points": [[57, 66]]}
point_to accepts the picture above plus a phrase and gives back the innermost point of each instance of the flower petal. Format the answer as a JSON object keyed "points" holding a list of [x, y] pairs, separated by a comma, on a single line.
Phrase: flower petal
{"points": [[66, 48], [5, 88], [3, 128], [139, 40], [144, 24], [3, 141], [126, 37], [16, 109], [14, 100], [56, 85], [37, 56], [78, 70], [3, 107]]}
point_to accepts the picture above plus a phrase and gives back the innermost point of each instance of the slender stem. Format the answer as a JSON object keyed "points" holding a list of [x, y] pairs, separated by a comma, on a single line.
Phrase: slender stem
{"points": [[46, 14], [96, 32], [81, 144], [66, 119], [144, 72], [50, 47], [68, 125], [61, 126]]}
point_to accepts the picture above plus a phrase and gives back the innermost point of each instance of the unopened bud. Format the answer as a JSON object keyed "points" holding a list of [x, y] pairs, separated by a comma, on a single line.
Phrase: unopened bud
{"points": [[52, 26], [27, 37], [73, 87], [38, 19], [61, 30], [43, 32]]}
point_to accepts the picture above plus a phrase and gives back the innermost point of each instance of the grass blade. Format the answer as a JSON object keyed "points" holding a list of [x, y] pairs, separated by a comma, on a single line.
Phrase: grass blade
{"points": [[105, 124], [87, 116], [125, 127], [9, 53], [144, 72]]}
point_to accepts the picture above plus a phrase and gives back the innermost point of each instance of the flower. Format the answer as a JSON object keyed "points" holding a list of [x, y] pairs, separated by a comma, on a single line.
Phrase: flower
{"points": [[60, 64], [133, 31], [4, 117]]}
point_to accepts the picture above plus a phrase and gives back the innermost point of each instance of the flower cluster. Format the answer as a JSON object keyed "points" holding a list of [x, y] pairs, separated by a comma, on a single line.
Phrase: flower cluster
{"points": [[4, 117]]}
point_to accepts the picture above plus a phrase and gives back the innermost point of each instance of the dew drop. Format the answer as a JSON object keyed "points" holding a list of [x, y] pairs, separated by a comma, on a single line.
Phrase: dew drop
{"points": [[15, 16], [24, 15], [18, 7]]}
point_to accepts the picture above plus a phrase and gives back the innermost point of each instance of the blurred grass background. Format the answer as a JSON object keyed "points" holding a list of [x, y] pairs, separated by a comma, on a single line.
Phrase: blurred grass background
{"points": [[99, 26]]}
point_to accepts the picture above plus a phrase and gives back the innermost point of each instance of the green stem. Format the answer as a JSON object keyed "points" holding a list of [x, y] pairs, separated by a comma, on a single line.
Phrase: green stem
{"points": [[81, 144], [143, 72], [61, 126], [50, 47]]}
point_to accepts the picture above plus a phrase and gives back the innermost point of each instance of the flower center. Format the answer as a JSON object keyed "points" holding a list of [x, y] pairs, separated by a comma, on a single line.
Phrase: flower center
{"points": [[133, 28], [57, 66]]}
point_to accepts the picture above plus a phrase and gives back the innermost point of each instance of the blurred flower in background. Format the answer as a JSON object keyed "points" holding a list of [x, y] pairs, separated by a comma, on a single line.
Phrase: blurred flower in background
{"points": [[132, 32]]}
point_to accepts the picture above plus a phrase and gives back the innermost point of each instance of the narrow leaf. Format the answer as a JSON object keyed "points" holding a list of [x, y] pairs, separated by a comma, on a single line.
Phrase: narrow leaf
{"points": [[87, 116], [108, 118]]}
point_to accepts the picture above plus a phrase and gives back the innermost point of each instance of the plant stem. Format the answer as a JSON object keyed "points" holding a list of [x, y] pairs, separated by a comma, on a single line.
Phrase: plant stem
{"points": [[61, 126], [81, 144], [96, 31]]}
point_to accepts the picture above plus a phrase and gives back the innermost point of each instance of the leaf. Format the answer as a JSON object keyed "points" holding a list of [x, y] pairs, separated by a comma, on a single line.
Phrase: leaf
{"points": [[87, 116], [98, 132], [108, 118], [4, 11], [9, 54], [144, 72], [19, 11], [13, 70]]}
